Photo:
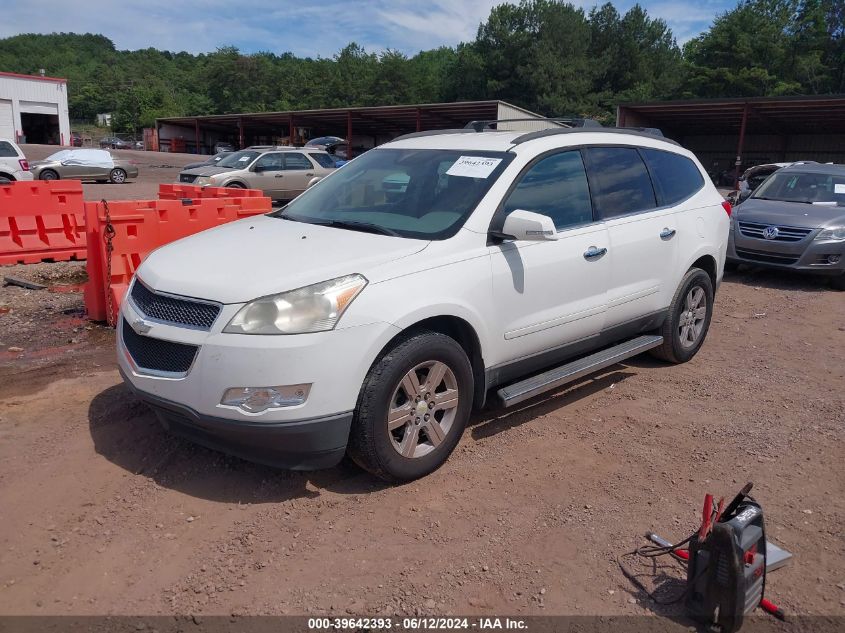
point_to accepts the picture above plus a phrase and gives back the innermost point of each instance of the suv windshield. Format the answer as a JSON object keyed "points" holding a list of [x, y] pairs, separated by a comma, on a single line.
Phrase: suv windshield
{"points": [[424, 194], [806, 187], [239, 160]]}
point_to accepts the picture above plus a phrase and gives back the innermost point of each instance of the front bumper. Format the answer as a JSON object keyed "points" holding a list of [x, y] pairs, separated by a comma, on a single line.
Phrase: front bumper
{"points": [[308, 435], [296, 445], [806, 255]]}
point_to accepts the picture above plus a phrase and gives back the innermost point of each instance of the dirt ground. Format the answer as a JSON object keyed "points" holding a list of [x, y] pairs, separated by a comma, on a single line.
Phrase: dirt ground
{"points": [[103, 512], [153, 168]]}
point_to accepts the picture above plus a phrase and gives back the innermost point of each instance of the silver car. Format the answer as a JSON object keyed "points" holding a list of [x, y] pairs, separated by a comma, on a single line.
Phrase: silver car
{"points": [[280, 172], [795, 220], [84, 164]]}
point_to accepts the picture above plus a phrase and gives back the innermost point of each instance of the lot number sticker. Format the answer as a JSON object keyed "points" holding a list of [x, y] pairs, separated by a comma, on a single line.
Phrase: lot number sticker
{"points": [[473, 166]]}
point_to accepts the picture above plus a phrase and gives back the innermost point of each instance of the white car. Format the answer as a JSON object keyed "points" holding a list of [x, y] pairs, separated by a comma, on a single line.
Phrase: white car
{"points": [[371, 318], [13, 164]]}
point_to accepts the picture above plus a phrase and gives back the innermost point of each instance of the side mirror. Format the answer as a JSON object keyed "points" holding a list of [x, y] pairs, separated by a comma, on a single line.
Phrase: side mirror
{"points": [[523, 225], [313, 181]]}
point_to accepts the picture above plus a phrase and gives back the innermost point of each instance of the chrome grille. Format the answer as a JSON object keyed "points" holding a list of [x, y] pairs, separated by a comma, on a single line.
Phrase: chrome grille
{"points": [[188, 312], [156, 354], [187, 178], [785, 233]]}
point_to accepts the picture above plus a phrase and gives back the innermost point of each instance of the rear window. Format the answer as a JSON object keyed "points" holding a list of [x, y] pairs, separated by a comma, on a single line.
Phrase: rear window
{"points": [[619, 181], [675, 177], [7, 150], [324, 160]]}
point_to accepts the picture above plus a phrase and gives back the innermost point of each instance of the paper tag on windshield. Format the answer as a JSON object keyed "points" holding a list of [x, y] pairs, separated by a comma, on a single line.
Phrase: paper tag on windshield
{"points": [[473, 166], [243, 159], [837, 188]]}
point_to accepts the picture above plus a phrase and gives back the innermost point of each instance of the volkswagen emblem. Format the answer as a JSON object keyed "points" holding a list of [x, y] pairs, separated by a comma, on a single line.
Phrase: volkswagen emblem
{"points": [[770, 232], [141, 326]]}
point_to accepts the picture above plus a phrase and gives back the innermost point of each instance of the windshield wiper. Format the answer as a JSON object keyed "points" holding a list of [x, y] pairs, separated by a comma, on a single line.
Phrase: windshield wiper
{"points": [[366, 227]]}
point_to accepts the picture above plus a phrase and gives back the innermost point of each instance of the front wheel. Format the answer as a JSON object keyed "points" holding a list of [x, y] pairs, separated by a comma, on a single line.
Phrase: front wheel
{"points": [[413, 408], [117, 176], [689, 317]]}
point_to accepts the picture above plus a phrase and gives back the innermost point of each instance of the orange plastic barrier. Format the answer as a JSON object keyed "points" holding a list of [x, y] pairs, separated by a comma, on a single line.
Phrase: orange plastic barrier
{"points": [[41, 220], [176, 191], [139, 227]]}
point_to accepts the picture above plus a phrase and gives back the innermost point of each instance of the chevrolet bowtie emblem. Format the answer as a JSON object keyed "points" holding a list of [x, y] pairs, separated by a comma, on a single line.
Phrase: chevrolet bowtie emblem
{"points": [[141, 326]]}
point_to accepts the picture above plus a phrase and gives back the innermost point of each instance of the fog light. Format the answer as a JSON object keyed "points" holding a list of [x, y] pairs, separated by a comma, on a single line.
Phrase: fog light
{"points": [[258, 399], [833, 259]]}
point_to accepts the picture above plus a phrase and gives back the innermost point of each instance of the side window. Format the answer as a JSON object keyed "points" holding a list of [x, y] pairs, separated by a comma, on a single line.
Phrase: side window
{"points": [[269, 162], [675, 177], [7, 151], [295, 160], [324, 160], [619, 181], [556, 186]]}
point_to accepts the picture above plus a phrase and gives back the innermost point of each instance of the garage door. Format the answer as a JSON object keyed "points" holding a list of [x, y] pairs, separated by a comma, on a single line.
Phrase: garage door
{"points": [[39, 107], [7, 121]]}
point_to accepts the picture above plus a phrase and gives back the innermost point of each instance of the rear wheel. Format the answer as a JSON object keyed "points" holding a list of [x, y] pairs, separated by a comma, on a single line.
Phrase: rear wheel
{"points": [[413, 408], [117, 176], [689, 317], [48, 174]]}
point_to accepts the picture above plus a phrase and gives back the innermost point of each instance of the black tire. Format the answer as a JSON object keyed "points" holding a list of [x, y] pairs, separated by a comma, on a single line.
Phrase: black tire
{"points": [[838, 282], [236, 185], [673, 349], [376, 449], [48, 174], [117, 176]]}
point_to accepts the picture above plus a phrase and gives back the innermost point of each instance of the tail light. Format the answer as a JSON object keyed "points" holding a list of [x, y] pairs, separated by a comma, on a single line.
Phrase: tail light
{"points": [[727, 207], [24, 164]]}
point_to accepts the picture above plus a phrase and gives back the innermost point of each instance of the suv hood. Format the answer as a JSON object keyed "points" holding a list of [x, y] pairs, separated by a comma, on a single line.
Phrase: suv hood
{"points": [[797, 214], [260, 256], [206, 171]]}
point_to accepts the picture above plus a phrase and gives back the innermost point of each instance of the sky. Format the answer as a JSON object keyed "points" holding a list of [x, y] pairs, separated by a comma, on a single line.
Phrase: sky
{"points": [[306, 28]]}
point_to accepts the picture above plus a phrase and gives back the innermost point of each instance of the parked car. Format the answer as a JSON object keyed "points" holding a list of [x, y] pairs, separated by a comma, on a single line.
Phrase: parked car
{"points": [[84, 164], [323, 141], [13, 163], [112, 142], [353, 321], [795, 221], [75, 139], [223, 147], [211, 161], [334, 145], [139, 145], [281, 173]]}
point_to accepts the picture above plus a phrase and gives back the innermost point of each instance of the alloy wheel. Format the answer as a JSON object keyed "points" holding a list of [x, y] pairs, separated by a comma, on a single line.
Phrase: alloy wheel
{"points": [[422, 409], [691, 322]]}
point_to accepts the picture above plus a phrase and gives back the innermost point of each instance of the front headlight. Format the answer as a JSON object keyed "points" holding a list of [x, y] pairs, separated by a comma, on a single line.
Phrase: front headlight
{"points": [[314, 308], [835, 234]]}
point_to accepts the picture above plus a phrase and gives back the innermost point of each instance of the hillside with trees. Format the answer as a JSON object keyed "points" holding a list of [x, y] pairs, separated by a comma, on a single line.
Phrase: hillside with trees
{"points": [[544, 55]]}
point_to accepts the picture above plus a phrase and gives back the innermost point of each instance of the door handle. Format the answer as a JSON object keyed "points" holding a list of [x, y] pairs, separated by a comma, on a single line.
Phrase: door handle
{"points": [[594, 253], [310, 174], [279, 176], [667, 233]]}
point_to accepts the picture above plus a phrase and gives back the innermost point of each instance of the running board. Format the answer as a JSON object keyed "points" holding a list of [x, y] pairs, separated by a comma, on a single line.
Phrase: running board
{"points": [[554, 378]]}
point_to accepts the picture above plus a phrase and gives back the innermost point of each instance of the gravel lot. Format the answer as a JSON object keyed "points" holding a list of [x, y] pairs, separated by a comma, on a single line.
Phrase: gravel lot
{"points": [[104, 512]]}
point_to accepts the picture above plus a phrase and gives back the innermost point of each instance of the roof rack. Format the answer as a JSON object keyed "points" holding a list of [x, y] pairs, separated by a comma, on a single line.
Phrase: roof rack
{"points": [[460, 130], [530, 136], [565, 122]]}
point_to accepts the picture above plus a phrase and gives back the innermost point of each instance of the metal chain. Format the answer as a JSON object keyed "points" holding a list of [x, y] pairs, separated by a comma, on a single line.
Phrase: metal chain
{"points": [[108, 236]]}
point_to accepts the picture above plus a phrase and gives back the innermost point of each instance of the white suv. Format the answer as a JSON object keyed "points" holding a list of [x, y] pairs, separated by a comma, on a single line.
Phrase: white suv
{"points": [[375, 311], [13, 164]]}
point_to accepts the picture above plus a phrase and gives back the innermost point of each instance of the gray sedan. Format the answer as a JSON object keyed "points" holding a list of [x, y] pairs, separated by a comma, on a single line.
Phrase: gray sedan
{"points": [[795, 220], [84, 164]]}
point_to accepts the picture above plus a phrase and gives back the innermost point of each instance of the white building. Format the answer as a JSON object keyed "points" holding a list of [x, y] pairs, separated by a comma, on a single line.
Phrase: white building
{"points": [[33, 109]]}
